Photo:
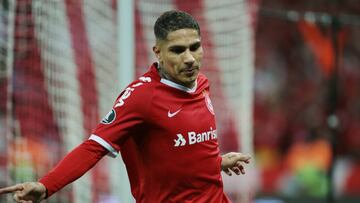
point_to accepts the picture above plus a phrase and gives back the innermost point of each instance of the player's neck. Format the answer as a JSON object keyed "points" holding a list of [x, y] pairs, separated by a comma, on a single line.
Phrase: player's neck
{"points": [[164, 75]]}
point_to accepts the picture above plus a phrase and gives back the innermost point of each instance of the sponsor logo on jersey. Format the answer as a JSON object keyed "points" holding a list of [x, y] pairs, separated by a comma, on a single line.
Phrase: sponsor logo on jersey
{"points": [[180, 141], [194, 137], [170, 115], [109, 118], [127, 92], [208, 102]]}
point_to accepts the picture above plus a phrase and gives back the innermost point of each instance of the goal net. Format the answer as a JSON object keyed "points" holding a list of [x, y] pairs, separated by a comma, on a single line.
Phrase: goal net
{"points": [[58, 77], [60, 57]]}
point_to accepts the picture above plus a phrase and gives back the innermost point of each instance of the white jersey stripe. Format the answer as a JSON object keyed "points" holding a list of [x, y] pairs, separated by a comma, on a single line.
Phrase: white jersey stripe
{"points": [[113, 153]]}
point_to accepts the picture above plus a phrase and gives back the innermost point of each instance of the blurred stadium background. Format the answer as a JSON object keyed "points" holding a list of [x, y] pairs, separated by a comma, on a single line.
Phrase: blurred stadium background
{"points": [[285, 79]]}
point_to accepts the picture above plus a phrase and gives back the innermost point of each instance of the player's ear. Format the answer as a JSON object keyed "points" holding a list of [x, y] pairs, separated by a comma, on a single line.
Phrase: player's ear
{"points": [[156, 50]]}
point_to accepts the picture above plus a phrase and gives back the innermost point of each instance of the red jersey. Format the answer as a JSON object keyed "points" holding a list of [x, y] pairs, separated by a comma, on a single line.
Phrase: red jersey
{"points": [[166, 134]]}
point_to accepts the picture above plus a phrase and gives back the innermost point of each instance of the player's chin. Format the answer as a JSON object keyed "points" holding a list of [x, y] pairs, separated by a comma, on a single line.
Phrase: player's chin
{"points": [[192, 77], [189, 82]]}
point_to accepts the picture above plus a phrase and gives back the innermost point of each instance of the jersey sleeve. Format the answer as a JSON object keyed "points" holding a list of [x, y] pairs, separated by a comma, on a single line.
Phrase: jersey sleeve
{"points": [[73, 166], [128, 113]]}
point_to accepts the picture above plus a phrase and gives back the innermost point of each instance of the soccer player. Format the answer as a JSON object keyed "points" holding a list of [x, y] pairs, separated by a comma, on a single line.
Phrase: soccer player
{"points": [[163, 124]]}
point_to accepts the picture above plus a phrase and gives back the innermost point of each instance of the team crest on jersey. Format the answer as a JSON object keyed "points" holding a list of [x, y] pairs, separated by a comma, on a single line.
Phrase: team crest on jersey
{"points": [[109, 118], [208, 102]]}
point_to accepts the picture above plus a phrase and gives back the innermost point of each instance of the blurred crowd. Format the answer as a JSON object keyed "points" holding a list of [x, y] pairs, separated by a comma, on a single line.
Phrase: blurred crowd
{"points": [[307, 100]]}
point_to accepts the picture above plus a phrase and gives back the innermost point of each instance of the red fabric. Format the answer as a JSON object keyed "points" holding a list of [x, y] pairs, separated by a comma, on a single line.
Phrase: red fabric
{"points": [[87, 78], [352, 186], [30, 97], [168, 141], [83, 59], [73, 166]]}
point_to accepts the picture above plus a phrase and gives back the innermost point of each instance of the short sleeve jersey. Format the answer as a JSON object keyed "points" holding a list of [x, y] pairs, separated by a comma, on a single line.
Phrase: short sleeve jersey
{"points": [[166, 134]]}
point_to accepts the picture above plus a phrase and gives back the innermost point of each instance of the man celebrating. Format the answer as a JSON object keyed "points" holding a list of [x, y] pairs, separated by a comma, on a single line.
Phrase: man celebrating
{"points": [[164, 126]]}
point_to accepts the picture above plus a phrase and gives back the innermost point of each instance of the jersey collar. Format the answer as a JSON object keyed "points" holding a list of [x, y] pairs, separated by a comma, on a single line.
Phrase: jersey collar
{"points": [[178, 86]]}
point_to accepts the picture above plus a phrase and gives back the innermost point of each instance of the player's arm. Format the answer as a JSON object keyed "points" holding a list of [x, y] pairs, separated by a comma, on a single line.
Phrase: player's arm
{"points": [[234, 161], [72, 167]]}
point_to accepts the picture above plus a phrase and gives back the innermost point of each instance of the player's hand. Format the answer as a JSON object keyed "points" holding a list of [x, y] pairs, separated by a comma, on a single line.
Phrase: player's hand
{"points": [[29, 192], [234, 162]]}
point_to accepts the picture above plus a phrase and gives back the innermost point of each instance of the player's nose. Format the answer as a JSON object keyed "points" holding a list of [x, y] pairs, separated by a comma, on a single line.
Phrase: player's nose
{"points": [[189, 59]]}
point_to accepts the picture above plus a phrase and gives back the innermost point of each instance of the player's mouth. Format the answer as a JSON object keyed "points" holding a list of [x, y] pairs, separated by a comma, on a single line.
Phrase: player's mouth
{"points": [[190, 71]]}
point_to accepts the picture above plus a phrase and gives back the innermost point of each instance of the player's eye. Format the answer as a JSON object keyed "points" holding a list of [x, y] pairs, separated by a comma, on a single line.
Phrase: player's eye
{"points": [[195, 46], [177, 49]]}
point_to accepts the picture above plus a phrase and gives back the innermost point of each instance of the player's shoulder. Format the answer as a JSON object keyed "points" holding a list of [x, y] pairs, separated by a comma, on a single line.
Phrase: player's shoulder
{"points": [[143, 84], [203, 82], [202, 77], [140, 90]]}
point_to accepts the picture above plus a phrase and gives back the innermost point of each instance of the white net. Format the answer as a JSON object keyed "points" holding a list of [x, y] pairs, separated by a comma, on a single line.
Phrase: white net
{"points": [[6, 56], [64, 79], [64, 82]]}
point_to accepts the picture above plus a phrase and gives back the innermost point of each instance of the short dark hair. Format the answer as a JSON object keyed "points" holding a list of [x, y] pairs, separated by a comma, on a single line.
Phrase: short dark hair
{"points": [[174, 20]]}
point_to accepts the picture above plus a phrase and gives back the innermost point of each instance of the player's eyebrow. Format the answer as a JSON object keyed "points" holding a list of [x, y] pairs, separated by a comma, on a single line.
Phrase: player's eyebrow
{"points": [[181, 48], [195, 46]]}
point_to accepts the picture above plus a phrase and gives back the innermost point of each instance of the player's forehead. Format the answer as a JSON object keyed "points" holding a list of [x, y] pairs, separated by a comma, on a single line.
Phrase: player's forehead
{"points": [[182, 37]]}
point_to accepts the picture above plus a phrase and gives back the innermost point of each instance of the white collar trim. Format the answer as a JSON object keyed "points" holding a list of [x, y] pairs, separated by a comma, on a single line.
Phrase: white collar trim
{"points": [[178, 86]]}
